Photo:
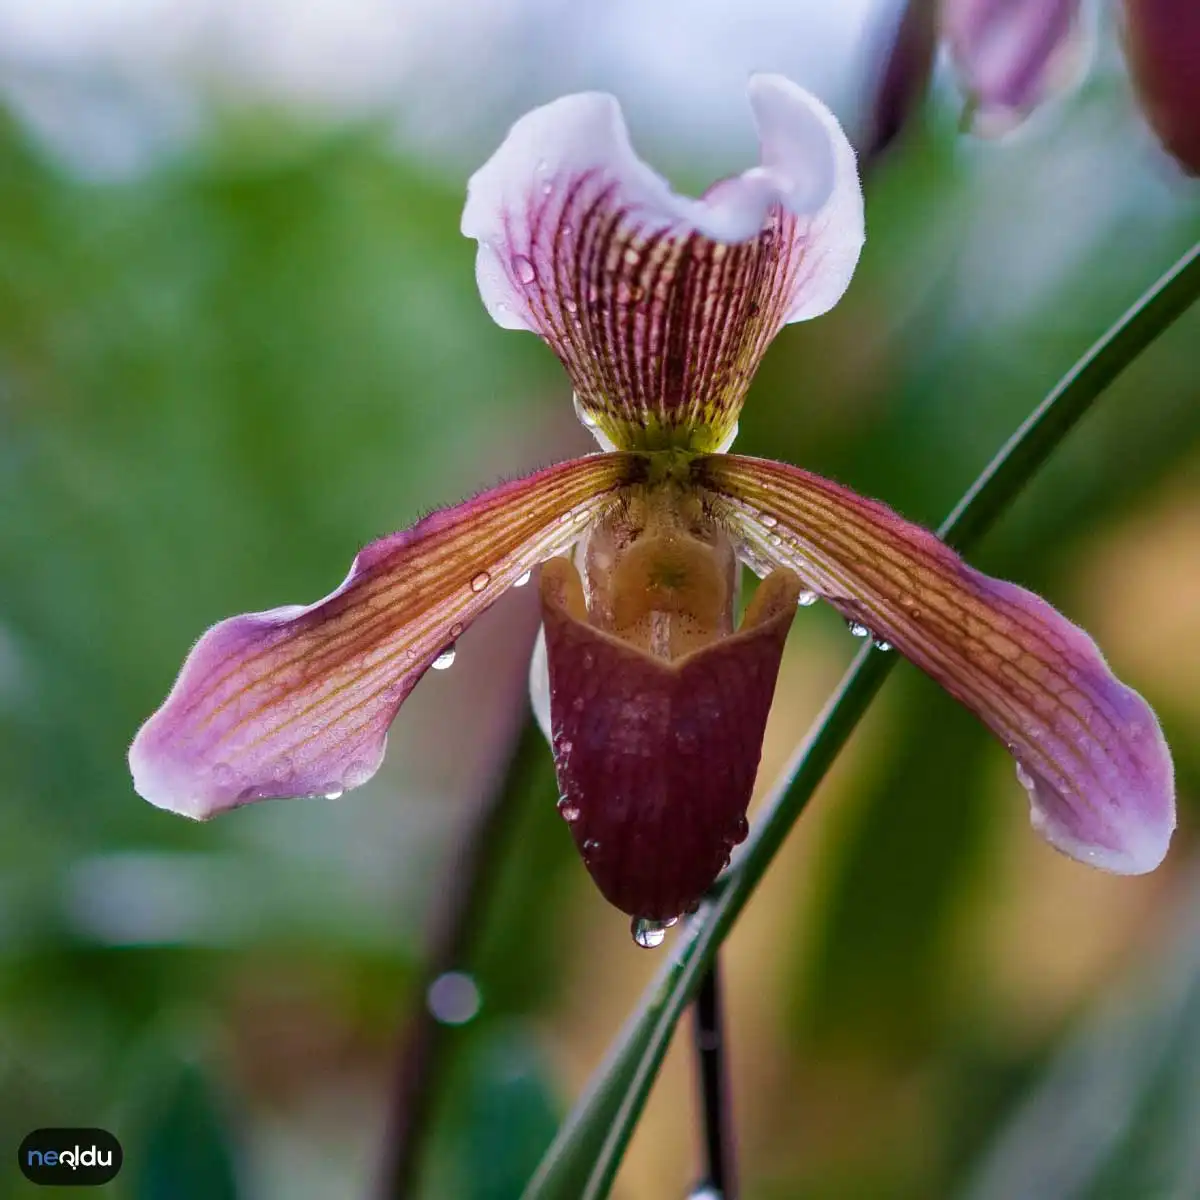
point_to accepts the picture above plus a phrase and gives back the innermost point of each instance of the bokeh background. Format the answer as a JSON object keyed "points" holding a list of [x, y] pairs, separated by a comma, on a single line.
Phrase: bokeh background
{"points": [[240, 337]]}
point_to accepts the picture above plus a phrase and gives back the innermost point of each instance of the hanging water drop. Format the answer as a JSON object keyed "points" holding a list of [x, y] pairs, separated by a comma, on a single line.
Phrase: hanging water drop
{"points": [[589, 422], [568, 811], [858, 629], [1025, 779], [335, 792], [525, 271], [522, 579], [806, 599], [880, 644], [480, 581], [445, 660], [705, 1192], [648, 934]]}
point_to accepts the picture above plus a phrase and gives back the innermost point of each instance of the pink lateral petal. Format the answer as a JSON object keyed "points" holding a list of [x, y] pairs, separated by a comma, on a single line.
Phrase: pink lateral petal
{"points": [[1089, 750], [658, 305], [297, 701], [656, 760]]}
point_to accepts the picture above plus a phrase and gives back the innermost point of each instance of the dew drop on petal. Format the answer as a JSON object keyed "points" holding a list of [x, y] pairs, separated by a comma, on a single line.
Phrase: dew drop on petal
{"points": [[648, 934], [768, 521], [334, 792], [570, 305], [591, 845], [880, 644], [525, 271], [589, 422], [480, 581], [445, 660], [806, 599], [569, 811], [858, 629], [453, 998], [456, 629], [522, 579]]}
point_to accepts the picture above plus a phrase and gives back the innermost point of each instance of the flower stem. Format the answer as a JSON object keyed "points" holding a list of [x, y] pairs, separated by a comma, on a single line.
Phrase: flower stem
{"points": [[720, 1176], [427, 1042]]}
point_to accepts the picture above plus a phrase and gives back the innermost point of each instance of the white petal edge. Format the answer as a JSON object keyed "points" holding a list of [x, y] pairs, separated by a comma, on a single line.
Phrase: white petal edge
{"points": [[808, 166]]}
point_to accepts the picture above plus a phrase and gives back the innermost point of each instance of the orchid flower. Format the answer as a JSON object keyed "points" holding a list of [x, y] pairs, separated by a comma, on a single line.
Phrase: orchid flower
{"points": [[660, 308]]}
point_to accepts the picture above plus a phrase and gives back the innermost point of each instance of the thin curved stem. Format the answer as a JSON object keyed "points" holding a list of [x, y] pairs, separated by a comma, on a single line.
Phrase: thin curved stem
{"points": [[720, 1168], [427, 1042]]}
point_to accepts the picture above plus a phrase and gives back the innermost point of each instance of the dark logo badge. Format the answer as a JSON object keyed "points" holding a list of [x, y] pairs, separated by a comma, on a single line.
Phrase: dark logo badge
{"points": [[70, 1157]]}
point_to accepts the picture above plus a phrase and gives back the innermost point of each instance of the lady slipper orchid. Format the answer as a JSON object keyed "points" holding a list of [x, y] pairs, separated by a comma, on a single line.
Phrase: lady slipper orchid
{"points": [[660, 308]]}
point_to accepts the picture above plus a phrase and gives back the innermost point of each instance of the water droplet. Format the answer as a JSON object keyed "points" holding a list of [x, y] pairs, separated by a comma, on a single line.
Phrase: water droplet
{"points": [[453, 998], [582, 413], [569, 811], [570, 305], [522, 579], [705, 1192], [806, 599], [546, 189], [334, 792], [223, 774], [741, 830], [775, 539], [456, 629], [858, 629], [591, 845], [648, 934], [480, 581], [768, 521], [880, 644], [445, 660], [581, 516], [525, 271]]}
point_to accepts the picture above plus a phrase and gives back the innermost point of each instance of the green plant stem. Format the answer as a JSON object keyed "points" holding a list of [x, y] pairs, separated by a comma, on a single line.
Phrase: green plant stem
{"points": [[720, 1167], [427, 1042], [608, 1112]]}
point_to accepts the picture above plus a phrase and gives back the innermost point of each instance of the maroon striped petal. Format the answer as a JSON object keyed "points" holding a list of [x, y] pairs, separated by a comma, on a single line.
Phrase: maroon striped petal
{"points": [[656, 759], [660, 307], [297, 701], [1089, 750]]}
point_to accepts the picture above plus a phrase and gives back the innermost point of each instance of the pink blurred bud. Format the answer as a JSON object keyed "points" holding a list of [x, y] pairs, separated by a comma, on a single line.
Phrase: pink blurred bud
{"points": [[1011, 54], [1162, 41]]}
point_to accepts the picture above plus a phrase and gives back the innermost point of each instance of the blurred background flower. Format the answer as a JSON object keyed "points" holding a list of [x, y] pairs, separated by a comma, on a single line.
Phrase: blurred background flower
{"points": [[234, 311]]}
